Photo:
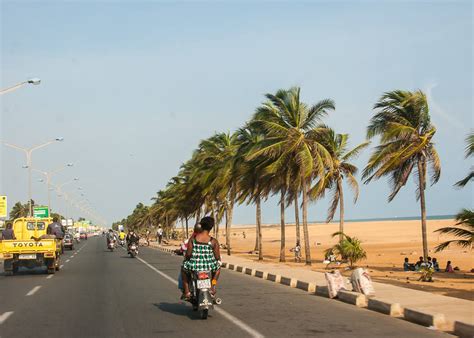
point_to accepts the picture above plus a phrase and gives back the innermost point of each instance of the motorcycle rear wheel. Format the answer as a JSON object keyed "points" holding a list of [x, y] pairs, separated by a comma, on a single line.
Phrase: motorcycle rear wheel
{"points": [[204, 313]]}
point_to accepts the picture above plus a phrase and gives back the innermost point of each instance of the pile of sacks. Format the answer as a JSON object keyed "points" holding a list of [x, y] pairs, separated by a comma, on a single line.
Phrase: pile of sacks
{"points": [[360, 280]]}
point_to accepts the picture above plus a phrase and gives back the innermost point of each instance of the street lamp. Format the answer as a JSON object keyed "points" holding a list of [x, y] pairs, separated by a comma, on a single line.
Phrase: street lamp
{"points": [[34, 81], [49, 175], [61, 192], [28, 152]]}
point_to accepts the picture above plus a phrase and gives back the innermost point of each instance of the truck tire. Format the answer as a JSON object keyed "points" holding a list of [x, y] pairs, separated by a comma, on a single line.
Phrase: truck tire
{"points": [[8, 267]]}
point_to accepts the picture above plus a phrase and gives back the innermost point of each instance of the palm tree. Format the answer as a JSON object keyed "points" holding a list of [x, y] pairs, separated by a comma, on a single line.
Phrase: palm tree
{"points": [[464, 230], [403, 123], [337, 146], [349, 248], [217, 157], [253, 183], [292, 145], [469, 153], [19, 210]]}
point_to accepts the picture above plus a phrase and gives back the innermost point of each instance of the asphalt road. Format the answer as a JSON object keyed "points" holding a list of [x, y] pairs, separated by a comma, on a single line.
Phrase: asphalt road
{"points": [[99, 293]]}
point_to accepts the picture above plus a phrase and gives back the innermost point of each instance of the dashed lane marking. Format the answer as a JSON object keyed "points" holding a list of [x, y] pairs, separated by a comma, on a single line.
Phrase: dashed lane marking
{"points": [[50, 276], [5, 316], [33, 291], [254, 333]]}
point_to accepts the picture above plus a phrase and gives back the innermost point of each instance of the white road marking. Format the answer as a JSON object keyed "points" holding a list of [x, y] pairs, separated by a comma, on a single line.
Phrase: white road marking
{"points": [[61, 266], [227, 315], [5, 316], [50, 276], [33, 291], [67, 260]]}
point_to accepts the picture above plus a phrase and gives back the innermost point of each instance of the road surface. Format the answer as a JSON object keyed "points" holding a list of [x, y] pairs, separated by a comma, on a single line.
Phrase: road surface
{"points": [[99, 293]]}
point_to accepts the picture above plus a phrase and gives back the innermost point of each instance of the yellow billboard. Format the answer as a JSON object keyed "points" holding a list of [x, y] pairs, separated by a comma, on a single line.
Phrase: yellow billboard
{"points": [[3, 206]]}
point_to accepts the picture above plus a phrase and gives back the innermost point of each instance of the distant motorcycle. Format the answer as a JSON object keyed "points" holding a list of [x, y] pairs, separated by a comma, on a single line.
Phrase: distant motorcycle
{"points": [[200, 288], [133, 250], [111, 245], [121, 242]]}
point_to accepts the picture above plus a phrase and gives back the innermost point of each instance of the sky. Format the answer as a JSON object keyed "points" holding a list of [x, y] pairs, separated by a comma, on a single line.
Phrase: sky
{"points": [[133, 86]]}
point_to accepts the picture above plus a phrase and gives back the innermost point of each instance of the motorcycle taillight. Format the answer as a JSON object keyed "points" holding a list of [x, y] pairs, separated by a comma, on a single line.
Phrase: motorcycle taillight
{"points": [[203, 275]]}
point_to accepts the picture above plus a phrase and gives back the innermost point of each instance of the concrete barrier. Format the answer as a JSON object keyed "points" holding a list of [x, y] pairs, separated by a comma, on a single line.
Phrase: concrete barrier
{"points": [[239, 269], [436, 320], [392, 309], [248, 271], [302, 285], [231, 267], [271, 277], [224, 265], [463, 330], [285, 281], [322, 291], [259, 274], [311, 288], [354, 298]]}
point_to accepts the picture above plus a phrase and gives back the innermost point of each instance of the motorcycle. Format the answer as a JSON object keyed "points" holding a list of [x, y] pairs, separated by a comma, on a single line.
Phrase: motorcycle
{"points": [[201, 298], [133, 250], [111, 245], [121, 242]]}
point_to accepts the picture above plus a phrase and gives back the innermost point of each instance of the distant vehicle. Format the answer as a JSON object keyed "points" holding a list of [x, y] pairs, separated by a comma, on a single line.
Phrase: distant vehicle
{"points": [[32, 248], [83, 235], [111, 245], [68, 242], [133, 250]]}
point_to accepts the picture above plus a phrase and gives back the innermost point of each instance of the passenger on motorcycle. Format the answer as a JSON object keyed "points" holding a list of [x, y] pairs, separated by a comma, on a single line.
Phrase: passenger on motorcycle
{"points": [[122, 235], [132, 237], [202, 254], [111, 236]]}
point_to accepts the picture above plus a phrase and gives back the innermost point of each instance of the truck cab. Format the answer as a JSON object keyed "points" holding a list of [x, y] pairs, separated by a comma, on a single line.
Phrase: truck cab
{"points": [[32, 246]]}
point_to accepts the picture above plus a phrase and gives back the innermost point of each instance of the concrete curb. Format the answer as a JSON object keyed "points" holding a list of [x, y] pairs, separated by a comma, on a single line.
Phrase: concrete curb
{"points": [[463, 330], [353, 298], [393, 310], [426, 319], [416, 316]]}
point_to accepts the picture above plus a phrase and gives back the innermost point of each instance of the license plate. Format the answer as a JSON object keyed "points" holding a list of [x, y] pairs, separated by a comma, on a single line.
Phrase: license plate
{"points": [[27, 256], [203, 283]]}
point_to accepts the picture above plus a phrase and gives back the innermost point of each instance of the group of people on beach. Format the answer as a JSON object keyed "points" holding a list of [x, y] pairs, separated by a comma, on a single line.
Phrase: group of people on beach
{"points": [[430, 263]]}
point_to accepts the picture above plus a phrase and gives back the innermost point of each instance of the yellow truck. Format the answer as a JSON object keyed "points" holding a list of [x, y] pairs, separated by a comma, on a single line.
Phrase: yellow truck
{"points": [[32, 246]]}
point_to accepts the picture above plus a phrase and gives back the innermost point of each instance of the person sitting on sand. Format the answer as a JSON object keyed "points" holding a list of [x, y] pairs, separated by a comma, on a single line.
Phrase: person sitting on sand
{"points": [[435, 265], [429, 264], [449, 267], [419, 264], [408, 266]]}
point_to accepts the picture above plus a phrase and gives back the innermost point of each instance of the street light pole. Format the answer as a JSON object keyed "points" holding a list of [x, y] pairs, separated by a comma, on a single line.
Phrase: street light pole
{"points": [[33, 81], [28, 152], [61, 192], [48, 176]]}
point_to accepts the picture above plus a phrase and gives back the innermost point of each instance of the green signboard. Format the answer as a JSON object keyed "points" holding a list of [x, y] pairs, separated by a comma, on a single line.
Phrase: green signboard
{"points": [[41, 212]]}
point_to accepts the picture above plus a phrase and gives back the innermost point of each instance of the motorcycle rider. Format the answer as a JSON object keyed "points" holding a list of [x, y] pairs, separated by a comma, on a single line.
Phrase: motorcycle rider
{"points": [[202, 253], [122, 235], [132, 237], [111, 237]]}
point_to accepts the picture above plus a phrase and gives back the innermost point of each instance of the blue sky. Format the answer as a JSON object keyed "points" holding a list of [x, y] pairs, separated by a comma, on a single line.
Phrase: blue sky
{"points": [[133, 87]]}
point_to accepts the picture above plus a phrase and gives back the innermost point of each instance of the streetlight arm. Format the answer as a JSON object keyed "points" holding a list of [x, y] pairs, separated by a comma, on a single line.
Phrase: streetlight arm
{"points": [[15, 147], [42, 145], [12, 88]]}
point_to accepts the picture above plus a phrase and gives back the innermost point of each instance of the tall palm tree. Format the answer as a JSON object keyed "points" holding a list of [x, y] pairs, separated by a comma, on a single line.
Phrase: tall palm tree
{"points": [[469, 153], [291, 138], [337, 146], [253, 183], [403, 123], [464, 230]]}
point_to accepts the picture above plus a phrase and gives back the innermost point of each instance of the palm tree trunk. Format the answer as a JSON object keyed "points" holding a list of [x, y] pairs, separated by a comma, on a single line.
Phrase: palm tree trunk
{"points": [[282, 225], [259, 229], [297, 219], [217, 220], [198, 215], [213, 215], [307, 250], [421, 175], [187, 228], [228, 220], [341, 209]]}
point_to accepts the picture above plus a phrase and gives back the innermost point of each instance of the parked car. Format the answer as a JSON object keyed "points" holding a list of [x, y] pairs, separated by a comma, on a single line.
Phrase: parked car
{"points": [[68, 242], [83, 235]]}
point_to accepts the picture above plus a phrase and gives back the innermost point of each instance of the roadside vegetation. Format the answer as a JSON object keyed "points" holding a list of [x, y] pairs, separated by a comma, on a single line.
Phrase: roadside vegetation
{"points": [[287, 150]]}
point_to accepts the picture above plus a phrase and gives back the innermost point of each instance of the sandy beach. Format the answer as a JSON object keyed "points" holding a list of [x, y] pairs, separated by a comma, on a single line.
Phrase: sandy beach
{"points": [[387, 244]]}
